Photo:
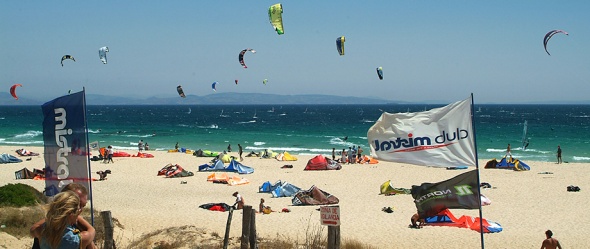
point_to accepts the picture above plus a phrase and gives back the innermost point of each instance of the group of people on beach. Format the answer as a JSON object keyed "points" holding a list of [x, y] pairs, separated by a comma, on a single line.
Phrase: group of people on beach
{"points": [[352, 156], [63, 225], [141, 146]]}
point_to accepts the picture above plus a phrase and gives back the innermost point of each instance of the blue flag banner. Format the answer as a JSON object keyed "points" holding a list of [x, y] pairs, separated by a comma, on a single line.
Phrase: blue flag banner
{"points": [[461, 192], [65, 141]]}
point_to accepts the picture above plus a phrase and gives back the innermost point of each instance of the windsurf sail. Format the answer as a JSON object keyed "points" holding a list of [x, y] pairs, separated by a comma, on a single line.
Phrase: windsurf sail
{"points": [[525, 141]]}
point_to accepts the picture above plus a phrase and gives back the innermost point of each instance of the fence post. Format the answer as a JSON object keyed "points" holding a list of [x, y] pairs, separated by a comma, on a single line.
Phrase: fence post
{"points": [[253, 235], [227, 227], [245, 227], [333, 237], [107, 219]]}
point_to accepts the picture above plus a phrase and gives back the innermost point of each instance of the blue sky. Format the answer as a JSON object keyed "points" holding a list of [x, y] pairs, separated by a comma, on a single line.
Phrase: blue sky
{"points": [[429, 50]]}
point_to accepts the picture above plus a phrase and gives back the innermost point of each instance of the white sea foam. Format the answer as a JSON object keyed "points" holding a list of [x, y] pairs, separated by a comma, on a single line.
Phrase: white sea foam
{"points": [[247, 122], [213, 126], [29, 134], [581, 158], [259, 143]]}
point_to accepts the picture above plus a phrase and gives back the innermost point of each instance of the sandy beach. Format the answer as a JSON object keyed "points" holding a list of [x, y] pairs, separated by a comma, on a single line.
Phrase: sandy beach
{"points": [[524, 203]]}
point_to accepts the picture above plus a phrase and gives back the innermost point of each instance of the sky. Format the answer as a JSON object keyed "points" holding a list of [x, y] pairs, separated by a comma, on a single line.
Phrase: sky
{"points": [[429, 50]]}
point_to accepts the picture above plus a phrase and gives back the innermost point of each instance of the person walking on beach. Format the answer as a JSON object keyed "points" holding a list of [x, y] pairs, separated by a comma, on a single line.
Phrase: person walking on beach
{"points": [[110, 154], [559, 155], [508, 153], [240, 151], [176, 146], [550, 243]]}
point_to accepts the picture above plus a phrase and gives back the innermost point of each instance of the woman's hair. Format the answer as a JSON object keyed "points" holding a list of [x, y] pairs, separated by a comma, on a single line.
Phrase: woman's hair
{"points": [[63, 205]]}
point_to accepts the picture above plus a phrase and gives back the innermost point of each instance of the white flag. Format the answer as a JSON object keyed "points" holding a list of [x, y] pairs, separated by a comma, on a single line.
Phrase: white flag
{"points": [[93, 145], [440, 137]]}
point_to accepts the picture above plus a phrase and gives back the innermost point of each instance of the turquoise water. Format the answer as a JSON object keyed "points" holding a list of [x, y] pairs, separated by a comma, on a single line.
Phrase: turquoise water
{"points": [[306, 129]]}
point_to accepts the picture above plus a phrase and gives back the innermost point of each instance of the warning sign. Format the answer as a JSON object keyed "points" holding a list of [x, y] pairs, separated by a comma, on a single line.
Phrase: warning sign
{"points": [[330, 215]]}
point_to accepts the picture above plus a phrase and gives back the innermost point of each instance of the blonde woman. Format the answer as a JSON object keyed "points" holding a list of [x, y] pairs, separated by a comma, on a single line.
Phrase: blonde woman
{"points": [[58, 230]]}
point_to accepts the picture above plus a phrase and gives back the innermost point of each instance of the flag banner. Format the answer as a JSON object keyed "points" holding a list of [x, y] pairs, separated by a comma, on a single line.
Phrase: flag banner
{"points": [[64, 138], [441, 137], [94, 145], [460, 192]]}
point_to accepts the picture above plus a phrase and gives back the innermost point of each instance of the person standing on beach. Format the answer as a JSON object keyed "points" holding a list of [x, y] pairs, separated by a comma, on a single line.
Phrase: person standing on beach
{"points": [[550, 243], [147, 146], [110, 154], [508, 152], [349, 154], [343, 158], [333, 154], [176, 146], [359, 153], [559, 155], [240, 151], [229, 148], [140, 145]]}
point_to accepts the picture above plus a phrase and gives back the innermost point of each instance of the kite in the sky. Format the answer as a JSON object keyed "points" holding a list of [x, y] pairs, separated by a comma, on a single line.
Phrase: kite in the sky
{"points": [[214, 86], [236, 81], [180, 91], [13, 90], [340, 44], [264, 81], [102, 54], [549, 35], [380, 73], [66, 57], [241, 56], [275, 15]]}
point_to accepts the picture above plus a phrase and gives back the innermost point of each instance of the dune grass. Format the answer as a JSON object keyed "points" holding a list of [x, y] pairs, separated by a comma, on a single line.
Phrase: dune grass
{"points": [[17, 218]]}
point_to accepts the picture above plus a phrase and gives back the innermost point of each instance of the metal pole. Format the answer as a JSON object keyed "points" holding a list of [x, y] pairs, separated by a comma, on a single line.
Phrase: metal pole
{"points": [[478, 180]]}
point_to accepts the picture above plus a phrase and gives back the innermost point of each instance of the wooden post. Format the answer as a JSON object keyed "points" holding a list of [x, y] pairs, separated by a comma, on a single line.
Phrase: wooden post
{"points": [[333, 237], [253, 237], [107, 219], [245, 227], [227, 227]]}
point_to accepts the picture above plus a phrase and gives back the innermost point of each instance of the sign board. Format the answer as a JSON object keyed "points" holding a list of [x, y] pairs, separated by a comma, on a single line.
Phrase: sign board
{"points": [[330, 215]]}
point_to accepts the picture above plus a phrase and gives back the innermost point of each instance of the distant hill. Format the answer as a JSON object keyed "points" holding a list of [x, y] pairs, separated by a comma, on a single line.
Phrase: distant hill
{"points": [[211, 99], [247, 99]]}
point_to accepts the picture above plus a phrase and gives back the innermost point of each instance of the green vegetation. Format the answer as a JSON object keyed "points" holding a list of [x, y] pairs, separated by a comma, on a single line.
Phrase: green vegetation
{"points": [[20, 195]]}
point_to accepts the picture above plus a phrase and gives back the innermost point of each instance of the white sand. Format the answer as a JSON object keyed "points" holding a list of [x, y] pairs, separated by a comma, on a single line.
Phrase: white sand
{"points": [[524, 203]]}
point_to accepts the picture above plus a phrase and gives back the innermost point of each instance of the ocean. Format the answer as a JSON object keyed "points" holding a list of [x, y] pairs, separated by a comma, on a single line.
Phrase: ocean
{"points": [[307, 129]]}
